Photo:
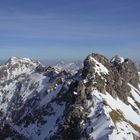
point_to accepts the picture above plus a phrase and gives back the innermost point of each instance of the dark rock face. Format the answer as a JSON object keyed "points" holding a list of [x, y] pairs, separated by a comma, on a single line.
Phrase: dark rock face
{"points": [[70, 128], [88, 70], [8, 132], [129, 72], [76, 115], [116, 81]]}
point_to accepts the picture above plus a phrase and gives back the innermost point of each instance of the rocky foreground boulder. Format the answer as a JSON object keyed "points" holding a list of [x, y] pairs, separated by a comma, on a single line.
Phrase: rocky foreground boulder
{"points": [[100, 102]]}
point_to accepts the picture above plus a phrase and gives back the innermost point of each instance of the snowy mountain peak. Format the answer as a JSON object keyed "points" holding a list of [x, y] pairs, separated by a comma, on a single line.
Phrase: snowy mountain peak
{"points": [[95, 64], [117, 59], [16, 60], [16, 66]]}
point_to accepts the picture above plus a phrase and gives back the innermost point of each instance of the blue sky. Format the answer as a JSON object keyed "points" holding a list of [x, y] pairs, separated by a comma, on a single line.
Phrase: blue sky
{"points": [[69, 29]]}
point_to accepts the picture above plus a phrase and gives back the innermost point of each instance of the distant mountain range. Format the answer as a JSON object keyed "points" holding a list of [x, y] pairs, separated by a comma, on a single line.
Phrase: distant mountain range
{"points": [[71, 67], [96, 99]]}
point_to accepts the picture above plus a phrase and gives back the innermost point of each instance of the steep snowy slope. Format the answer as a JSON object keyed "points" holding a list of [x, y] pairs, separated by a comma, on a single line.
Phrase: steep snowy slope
{"points": [[110, 117], [27, 99], [12, 74]]}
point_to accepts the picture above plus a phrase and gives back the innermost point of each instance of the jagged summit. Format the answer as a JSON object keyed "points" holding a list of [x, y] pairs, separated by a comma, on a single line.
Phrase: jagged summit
{"points": [[101, 101], [95, 63], [14, 60], [16, 66], [117, 59], [127, 69]]}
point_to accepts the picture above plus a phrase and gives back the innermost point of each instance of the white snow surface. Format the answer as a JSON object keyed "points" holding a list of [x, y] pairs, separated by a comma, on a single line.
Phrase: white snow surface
{"points": [[135, 93], [102, 123]]}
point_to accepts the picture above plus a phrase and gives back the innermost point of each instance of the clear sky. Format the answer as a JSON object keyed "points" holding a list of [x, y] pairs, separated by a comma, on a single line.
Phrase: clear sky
{"points": [[69, 29]]}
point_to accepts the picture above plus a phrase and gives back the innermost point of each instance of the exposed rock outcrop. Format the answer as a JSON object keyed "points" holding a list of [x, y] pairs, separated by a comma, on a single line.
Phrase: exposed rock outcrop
{"points": [[120, 73]]}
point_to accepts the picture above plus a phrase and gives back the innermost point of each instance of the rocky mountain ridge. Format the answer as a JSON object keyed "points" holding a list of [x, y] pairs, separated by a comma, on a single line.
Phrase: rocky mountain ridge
{"points": [[101, 101]]}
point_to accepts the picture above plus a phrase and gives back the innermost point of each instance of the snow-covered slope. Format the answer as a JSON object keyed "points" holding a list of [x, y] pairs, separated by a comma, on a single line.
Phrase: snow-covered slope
{"points": [[26, 92], [101, 101], [17, 66], [113, 119], [13, 74], [111, 116]]}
